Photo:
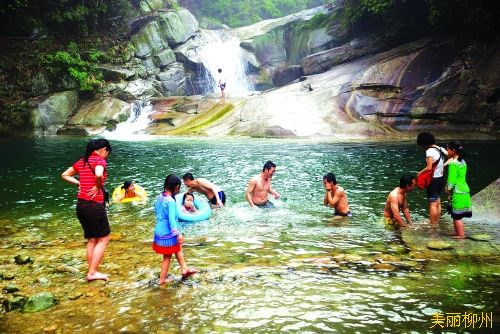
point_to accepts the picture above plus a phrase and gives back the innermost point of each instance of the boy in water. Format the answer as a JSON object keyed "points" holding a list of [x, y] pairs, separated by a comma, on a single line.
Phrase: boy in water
{"points": [[335, 196], [396, 201]]}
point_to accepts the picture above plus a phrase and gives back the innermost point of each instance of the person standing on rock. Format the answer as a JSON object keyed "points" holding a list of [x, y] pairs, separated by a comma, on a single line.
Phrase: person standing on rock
{"points": [[221, 83], [90, 207], [434, 157], [397, 202], [457, 188]]}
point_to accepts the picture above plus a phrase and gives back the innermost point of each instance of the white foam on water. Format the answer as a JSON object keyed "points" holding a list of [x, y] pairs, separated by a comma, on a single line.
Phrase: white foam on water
{"points": [[134, 127], [224, 52]]}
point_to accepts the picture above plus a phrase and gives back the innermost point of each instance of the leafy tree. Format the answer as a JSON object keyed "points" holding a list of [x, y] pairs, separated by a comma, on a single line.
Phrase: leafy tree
{"points": [[237, 13], [59, 17], [70, 62]]}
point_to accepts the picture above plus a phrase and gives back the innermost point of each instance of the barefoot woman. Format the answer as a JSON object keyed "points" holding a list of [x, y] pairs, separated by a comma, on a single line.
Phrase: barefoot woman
{"points": [[90, 207]]}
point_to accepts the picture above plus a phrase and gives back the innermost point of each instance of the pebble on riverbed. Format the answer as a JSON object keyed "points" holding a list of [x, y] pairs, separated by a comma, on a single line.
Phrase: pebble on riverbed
{"points": [[23, 259]]}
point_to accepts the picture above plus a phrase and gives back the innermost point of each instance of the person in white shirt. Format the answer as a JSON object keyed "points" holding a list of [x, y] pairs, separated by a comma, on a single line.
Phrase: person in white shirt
{"points": [[221, 82], [435, 156]]}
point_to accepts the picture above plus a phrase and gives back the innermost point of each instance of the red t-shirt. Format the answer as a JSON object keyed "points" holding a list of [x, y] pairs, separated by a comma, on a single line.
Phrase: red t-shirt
{"points": [[87, 177]]}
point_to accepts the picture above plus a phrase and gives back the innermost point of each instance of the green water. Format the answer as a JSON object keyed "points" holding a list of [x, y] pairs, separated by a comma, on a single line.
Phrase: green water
{"points": [[293, 269]]}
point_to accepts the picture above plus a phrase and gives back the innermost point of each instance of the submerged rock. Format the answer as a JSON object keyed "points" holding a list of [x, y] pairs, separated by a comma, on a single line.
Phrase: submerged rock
{"points": [[8, 276], [480, 237], [439, 245], [39, 302], [384, 267], [14, 303], [10, 288], [23, 259]]}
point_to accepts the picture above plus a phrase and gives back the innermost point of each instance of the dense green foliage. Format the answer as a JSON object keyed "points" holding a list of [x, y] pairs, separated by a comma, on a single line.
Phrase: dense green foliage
{"points": [[237, 13], [406, 19], [62, 17], [71, 62]]}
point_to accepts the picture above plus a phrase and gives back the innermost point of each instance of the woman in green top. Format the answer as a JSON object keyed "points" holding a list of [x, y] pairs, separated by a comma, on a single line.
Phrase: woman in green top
{"points": [[457, 187]]}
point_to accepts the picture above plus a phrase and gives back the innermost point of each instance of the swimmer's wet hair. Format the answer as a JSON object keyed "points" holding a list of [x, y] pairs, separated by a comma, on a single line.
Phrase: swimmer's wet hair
{"points": [[186, 195], [330, 177]]}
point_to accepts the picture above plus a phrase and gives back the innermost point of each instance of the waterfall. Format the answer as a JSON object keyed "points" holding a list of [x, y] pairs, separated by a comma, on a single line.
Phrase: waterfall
{"points": [[133, 128], [224, 52]]}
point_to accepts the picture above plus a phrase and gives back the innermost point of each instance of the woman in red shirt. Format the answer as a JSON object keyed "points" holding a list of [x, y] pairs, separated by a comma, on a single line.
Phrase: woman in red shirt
{"points": [[90, 207]]}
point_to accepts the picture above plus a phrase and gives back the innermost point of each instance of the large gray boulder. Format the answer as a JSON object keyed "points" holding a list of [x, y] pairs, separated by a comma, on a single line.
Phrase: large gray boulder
{"points": [[53, 112], [270, 48], [325, 60], [174, 81], [164, 58], [178, 26], [149, 40], [100, 113]]}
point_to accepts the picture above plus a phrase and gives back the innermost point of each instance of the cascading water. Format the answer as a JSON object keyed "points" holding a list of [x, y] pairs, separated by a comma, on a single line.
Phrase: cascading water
{"points": [[224, 52], [135, 125]]}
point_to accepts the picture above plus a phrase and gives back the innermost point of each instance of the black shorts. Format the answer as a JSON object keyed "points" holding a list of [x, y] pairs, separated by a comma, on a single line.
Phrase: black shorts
{"points": [[222, 197], [435, 189], [93, 218], [347, 214], [222, 86]]}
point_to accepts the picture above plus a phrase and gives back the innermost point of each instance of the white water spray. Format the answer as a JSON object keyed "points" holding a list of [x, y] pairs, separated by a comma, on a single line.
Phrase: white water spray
{"points": [[134, 127], [224, 52]]}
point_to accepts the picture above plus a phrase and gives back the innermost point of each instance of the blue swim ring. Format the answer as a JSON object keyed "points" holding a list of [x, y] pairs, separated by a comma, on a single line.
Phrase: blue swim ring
{"points": [[201, 204]]}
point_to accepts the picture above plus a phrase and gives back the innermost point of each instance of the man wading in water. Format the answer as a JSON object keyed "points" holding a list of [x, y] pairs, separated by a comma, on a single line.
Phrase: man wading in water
{"points": [[335, 196], [259, 187]]}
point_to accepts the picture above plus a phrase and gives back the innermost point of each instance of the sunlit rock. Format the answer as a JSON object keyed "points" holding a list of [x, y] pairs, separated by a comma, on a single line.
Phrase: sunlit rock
{"points": [[439, 245], [100, 112], [178, 26]]}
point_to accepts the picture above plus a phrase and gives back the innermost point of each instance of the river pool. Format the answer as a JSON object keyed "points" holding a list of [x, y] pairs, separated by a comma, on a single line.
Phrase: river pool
{"points": [[293, 269]]}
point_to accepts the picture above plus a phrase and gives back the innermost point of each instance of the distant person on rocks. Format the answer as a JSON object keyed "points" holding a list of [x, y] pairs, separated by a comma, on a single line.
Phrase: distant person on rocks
{"points": [[434, 157], [215, 195], [335, 196], [168, 239], [457, 188], [397, 202], [221, 83], [259, 187], [90, 206]]}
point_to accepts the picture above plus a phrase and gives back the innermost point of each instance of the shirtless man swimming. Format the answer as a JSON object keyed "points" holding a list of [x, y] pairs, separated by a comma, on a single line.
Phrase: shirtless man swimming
{"points": [[396, 201], [214, 194], [259, 187], [335, 196]]}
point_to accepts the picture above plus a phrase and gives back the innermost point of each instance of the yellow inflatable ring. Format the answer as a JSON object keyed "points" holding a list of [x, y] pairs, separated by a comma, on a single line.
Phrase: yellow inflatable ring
{"points": [[120, 191]]}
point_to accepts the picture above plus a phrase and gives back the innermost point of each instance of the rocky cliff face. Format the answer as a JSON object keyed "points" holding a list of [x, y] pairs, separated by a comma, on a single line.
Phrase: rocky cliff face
{"points": [[331, 82]]}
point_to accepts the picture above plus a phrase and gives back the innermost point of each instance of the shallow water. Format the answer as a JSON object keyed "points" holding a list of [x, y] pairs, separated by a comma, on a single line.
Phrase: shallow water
{"points": [[293, 269]]}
